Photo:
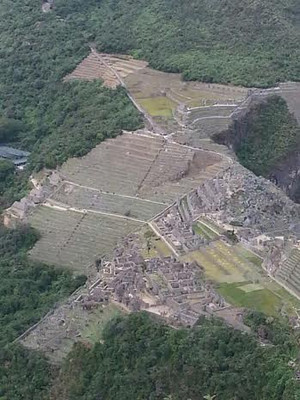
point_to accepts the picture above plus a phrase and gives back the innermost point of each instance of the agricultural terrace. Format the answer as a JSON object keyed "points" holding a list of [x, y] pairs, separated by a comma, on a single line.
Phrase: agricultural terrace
{"points": [[112, 191], [99, 66], [184, 107], [84, 198], [144, 166], [170, 103], [289, 272], [75, 239]]}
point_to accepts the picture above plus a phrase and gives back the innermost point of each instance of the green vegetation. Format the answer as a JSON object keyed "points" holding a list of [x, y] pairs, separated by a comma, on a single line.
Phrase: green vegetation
{"points": [[272, 133], [250, 43], [158, 106], [9, 129], [215, 41], [24, 374], [27, 289], [272, 330], [261, 300], [143, 359], [40, 113]]}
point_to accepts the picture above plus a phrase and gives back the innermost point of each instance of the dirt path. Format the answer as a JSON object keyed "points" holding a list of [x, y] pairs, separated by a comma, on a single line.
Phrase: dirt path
{"points": [[115, 194], [62, 207]]}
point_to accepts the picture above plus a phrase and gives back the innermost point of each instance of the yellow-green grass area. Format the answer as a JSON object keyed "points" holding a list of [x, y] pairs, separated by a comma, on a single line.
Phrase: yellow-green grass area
{"points": [[240, 279], [248, 255], [222, 263], [251, 287], [160, 106], [152, 246], [212, 225], [260, 300], [267, 297], [98, 318], [204, 231], [214, 270]]}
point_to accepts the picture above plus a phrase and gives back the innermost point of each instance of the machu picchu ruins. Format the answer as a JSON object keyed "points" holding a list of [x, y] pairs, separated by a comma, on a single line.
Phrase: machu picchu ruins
{"points": [[211, 223]]}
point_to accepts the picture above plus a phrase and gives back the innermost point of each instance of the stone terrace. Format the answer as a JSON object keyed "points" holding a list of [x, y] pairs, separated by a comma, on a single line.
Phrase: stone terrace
{"points": [[143, 165]]}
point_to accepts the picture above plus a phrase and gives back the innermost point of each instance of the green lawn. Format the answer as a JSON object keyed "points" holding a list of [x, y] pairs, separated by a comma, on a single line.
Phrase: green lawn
{"points": [[158, 106], [98, 318], [204, 231], [260, 300]]}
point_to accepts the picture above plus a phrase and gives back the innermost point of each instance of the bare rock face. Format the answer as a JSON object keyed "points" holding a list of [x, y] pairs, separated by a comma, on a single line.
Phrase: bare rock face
{"points": [[287, 176]]}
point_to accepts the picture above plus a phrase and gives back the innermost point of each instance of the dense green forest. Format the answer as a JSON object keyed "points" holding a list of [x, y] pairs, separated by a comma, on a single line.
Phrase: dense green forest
{"points": [[24, 374], [38, 112], [251, 43], [27, 291], [143, 359], [264, 136]]}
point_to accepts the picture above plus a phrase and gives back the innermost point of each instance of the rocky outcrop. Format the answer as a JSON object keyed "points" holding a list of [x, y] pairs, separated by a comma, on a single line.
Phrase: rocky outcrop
{"points": [[265, 144], [286, 175]]}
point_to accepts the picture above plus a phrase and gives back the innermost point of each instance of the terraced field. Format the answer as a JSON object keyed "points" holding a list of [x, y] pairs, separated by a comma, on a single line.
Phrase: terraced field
{"points": [[289, 272], [113, 190], [94, 200], [74, 240], [93, 68], [99, 66], [183, 107], [156, 169], [116, 165], [224, 263], [203, 230]]}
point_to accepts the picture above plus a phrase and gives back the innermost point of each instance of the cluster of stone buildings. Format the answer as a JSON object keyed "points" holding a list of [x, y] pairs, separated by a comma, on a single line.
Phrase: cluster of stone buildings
{"points": [[235, 199], [164, 286], [20, 210]]}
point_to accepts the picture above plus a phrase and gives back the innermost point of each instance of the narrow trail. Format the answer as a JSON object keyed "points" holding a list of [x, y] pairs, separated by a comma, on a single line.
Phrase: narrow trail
{"points": [[62, 207], [114, 194]]}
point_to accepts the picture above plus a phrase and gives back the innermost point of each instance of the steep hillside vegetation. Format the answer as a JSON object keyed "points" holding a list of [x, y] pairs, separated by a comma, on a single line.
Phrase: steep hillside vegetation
{"points": [[27, 289], [40, 113], [253, 43], [267, 141], [142, 359], [27, 292]]}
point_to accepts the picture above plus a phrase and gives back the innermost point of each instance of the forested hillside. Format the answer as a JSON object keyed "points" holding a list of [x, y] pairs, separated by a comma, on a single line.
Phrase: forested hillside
{"points": [[40, 113], [27, 291], [251, 43], [143, 359]]}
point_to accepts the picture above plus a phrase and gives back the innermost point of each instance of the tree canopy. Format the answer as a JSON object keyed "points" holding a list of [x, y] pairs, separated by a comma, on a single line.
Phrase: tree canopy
{"points": [[143, 359]]}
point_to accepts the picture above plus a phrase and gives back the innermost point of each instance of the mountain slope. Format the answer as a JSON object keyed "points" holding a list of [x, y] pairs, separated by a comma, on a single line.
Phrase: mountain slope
{"points": [[253, 43]]}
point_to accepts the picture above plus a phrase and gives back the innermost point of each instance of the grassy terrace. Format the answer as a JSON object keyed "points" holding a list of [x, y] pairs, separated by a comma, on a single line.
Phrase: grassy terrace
{"points": [[240, 279], [204, 231], [91, 199], [75, 240]]}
